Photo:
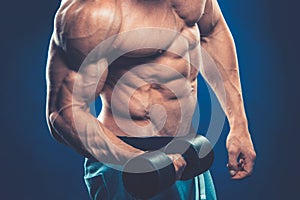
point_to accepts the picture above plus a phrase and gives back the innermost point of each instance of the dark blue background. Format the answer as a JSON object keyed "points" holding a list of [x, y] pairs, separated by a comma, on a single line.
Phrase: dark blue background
{"points": [[33, 166]]}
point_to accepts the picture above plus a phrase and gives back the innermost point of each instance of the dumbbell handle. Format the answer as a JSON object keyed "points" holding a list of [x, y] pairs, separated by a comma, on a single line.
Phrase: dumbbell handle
{"points": [[197, 152]]}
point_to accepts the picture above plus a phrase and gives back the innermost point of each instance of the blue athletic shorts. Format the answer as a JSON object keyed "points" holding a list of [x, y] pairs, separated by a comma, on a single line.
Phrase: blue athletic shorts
{"points": [[105, 183]]}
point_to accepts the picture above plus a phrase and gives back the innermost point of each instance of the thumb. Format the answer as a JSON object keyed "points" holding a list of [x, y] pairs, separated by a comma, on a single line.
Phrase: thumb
{"points": [[232, 165]]}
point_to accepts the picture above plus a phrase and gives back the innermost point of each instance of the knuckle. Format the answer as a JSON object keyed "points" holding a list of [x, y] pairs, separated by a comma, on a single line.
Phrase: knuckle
{"points": [[232, 151], [252, 155], [232, 166]]}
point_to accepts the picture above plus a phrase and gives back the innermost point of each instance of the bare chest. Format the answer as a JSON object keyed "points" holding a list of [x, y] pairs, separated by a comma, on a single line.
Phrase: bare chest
{"points": [[150, 25], [160, 13], [141, 27]]}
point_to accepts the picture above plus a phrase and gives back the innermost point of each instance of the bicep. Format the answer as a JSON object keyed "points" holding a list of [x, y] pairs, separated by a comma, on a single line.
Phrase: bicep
{"points": [[67, 89], [56, 71], [216, 37], [77, 67], [218, 49], [210, 18], [66, 86]]}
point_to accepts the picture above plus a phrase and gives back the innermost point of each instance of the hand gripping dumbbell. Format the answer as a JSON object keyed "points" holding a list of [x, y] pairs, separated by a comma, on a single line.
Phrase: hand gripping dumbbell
{"points": [[152, 172]]}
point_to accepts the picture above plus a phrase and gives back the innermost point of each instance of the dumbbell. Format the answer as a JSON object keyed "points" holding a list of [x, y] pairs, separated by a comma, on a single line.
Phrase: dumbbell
{"points": [[152, 172], [197, 151], [148, 174]]}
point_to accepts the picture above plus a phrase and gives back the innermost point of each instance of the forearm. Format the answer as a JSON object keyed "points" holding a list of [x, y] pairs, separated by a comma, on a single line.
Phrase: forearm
{"points": [[234, 106], [84, 133], [221, 71]]}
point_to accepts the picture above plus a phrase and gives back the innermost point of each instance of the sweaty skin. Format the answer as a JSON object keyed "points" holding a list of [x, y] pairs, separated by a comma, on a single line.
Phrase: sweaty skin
{"points": [[147, 91]]}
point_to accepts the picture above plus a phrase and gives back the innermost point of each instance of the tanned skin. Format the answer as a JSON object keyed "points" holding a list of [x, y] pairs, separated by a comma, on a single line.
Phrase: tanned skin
{"points": [[156, 97]]}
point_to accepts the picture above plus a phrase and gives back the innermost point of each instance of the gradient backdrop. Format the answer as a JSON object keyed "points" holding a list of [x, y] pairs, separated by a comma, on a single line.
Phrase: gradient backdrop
{"points": [[33, 166]]}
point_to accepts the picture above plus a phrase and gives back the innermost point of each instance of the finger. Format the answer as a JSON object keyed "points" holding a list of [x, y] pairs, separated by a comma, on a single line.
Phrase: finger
{"points": [[232, 158], [240, 175], [248, 167], [232, 172], [247, 162], [232, 169], [245, 170], [232, 165]]}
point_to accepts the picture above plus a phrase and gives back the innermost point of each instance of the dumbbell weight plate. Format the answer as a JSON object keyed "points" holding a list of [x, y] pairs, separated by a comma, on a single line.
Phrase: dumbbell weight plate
{"points": [[197, 152]]}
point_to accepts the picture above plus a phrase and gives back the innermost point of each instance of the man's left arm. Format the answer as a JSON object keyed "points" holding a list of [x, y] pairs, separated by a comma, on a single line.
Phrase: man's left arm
{"points": [[218, 44]]}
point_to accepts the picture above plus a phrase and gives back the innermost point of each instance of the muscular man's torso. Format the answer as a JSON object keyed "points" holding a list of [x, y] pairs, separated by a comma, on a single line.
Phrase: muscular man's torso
{"points": [[150, 90]]}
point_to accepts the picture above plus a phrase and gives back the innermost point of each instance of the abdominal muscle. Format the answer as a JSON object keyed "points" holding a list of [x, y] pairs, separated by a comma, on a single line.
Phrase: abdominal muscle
{"points": [[156, 97]]}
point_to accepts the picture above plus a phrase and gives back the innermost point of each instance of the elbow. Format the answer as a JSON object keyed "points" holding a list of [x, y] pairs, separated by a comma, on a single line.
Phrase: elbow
{"points": [[51, 120], [51, 117]]}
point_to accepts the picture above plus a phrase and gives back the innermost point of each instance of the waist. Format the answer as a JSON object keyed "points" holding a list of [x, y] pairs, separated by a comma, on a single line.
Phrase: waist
{"points": [[160, 122], [147, 143], [94, 167]]}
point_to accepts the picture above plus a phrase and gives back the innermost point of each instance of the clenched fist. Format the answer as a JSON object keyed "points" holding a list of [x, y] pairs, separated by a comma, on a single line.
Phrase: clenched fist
{"points": [[241, 154]]}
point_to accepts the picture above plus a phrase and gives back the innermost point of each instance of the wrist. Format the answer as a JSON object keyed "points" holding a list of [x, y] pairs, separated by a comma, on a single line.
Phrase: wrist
{"points": [[240, 125]]}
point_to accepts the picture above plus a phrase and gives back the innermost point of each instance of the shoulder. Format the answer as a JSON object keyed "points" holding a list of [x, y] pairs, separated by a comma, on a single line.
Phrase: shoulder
{"points": [[86, 19], [210, 17]]}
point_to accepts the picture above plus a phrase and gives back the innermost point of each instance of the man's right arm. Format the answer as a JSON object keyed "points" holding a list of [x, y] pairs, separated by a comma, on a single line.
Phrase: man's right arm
{"points": [[69, 93], [73, 84]]}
